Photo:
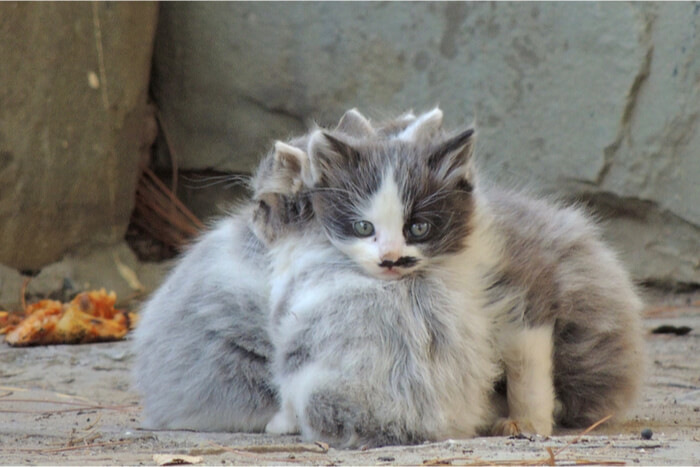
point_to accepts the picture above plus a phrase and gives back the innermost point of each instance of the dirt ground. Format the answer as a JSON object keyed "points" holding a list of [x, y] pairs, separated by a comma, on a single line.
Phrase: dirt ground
{"points": [[73, 405]]}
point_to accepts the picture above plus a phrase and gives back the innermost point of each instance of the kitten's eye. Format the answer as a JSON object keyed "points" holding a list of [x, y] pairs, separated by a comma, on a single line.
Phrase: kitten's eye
{"points": [[363, 228], [419, 230]]}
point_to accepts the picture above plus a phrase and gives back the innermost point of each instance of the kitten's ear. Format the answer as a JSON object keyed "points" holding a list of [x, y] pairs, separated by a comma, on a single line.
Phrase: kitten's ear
{"points": [[291, 166], [326, 152], [407, 117], [423, 126], [353, 123], [453, 157]]}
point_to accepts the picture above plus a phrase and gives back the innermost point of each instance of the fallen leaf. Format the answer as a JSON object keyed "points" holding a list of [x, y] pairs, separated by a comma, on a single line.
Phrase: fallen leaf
{"points": [[128, 275]]}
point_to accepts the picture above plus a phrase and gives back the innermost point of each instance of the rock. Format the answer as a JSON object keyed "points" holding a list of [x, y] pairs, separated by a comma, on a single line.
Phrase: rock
{"points": [[74, 124], [116, 269], [112, 268], [10, 288], [592, 100]]}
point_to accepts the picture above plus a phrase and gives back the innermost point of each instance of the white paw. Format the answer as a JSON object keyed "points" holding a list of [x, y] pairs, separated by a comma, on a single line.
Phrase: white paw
{"points": [[282, 424]]}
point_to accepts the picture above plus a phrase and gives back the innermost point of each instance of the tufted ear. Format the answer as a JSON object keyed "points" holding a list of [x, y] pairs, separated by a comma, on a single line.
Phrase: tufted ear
{"points": [[423, 126], [452, 158], [353, 123], [279, 177], [291, 165], [326, 153]]}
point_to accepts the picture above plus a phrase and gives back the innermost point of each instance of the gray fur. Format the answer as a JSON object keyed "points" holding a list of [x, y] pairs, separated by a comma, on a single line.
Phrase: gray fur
{"points": [[556, 270], [201, 346], [396, 361], [361, 361], [431, 174]]}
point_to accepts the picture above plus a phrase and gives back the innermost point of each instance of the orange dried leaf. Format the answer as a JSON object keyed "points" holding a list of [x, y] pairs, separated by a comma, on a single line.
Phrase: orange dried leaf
{"points": [[89, 317]]}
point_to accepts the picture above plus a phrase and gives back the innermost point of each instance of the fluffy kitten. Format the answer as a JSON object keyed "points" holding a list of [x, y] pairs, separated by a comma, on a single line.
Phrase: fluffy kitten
{"points": [[202, 349], [361, 361], [566, 317], [201, 345]]}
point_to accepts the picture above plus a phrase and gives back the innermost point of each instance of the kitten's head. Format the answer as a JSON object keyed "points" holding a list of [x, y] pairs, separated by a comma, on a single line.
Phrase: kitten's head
{"points": [[280, 204], [395, 204]]}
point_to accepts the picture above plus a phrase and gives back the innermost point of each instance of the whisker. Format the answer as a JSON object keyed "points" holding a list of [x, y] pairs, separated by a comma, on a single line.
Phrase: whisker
{"points": [[208, 181]]}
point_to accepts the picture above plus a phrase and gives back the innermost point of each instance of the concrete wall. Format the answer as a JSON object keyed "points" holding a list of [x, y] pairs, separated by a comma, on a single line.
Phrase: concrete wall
{"points": [[598, 101], [595, 101]]}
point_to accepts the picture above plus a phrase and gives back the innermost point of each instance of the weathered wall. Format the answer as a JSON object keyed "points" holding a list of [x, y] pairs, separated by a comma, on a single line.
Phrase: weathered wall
{"points": [[598, 101], [74, 124]]}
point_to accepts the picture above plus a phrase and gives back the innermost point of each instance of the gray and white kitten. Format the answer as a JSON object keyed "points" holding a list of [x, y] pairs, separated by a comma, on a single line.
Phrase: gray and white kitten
{"points": [[201, 345], [201, 348], [565, 314], [567, 319], [362, 361]]}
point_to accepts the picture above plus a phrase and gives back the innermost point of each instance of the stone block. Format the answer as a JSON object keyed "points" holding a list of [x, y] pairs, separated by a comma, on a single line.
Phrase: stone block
{"points": [[74, 124]]}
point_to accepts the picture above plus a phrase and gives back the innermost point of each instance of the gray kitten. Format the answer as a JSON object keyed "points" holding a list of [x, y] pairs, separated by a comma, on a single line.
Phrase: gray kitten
{"points": [[567, 317], [566, 322], [201, 346], [359, 360], [202, 349]]}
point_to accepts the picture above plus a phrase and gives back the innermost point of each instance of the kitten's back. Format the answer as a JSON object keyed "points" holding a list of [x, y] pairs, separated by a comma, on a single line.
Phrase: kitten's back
{"points": [[201, 346], [555, 261]]}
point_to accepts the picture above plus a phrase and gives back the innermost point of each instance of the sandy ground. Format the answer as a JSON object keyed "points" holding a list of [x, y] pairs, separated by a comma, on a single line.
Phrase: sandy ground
{"points": [[72, 405]]}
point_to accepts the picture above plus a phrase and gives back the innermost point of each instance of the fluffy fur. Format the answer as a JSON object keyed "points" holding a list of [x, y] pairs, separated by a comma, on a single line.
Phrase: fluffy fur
{"points": [[361, 361], [566, 316], [202, 348], [562, 312]]}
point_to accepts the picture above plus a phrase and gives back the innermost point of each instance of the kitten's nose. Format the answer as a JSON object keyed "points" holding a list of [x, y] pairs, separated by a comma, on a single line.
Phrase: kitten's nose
{"points": [[390, 256]]}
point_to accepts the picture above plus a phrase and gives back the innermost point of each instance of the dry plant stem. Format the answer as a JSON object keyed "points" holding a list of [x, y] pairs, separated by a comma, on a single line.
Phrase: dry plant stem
{"points": [[84, 400], [74, 448], [78, 407], [45, 401], [586, 431], [161, 214], [23, 292], [267, 448], [171, 151], [93, 424], [264, 458], [181, 207], [549, 460]]}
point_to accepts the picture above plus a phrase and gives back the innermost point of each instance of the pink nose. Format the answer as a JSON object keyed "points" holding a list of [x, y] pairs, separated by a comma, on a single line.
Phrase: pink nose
{"points": [[390, 256]]}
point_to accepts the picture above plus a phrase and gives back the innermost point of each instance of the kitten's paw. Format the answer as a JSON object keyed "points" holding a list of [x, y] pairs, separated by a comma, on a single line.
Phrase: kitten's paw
{"points": [[512, 427], [281, 424]]}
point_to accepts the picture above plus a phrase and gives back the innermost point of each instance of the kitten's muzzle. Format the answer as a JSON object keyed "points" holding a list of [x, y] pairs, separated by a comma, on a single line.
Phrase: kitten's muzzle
{"points": [[402, 262]]}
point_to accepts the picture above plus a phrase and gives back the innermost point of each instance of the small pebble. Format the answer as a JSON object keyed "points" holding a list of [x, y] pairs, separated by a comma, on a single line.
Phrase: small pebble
{"points": [[647, 433]]}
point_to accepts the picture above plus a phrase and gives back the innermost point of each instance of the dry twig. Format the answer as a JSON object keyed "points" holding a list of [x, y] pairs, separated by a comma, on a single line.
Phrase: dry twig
{"points": [[160, 213], [254, 452], [549, 460]]}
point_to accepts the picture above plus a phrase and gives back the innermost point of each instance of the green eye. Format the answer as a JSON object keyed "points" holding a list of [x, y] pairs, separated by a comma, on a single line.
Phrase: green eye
{"points": [[363, 228], [419, 230]]}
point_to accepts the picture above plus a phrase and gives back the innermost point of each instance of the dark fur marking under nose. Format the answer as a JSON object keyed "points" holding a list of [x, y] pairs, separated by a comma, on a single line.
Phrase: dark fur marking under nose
{"points": [[403, 262]]}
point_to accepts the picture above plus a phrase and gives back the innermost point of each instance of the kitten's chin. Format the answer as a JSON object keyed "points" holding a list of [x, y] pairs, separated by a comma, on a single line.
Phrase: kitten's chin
{"points": [[389, 274]]}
